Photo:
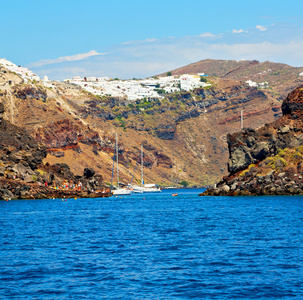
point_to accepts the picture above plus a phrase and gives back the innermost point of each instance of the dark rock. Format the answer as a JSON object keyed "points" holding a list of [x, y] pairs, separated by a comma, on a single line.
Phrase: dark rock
{"points": [[166, 132], [89, 172], [253, 146], [239, 159], [49, 178], [7, 194]]}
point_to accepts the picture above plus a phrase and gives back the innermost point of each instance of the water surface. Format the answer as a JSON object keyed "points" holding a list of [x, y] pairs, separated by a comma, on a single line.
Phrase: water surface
{"points": [[152, 247]]}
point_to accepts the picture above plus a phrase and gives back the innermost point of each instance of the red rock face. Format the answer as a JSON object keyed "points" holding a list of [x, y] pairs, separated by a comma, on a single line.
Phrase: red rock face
{"points": [[17, 146], [21, 155], [65, 134]]}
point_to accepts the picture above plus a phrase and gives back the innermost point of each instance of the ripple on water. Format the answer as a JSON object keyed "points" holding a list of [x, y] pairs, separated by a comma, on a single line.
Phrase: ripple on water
{"points": [[153, 248]]}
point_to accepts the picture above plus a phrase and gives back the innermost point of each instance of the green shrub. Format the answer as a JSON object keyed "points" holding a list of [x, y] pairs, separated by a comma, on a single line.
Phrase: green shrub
{"points": [[121, 120], [282, 152], [184, 183], [246, 170]]}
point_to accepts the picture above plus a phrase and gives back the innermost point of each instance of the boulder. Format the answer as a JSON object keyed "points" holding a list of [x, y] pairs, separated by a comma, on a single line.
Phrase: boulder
{"points": [[88, 172], [239, 159], [48, 177], [29, 178], [7, 194], [260, 150], [225, 188], [21, 169], [296, 141], [284, 129]]}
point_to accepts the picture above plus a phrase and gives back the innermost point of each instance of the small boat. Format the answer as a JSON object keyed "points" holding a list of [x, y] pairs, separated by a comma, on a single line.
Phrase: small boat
{"points": [[118, 190], [145, 188], [121, 191], [174, 195]]}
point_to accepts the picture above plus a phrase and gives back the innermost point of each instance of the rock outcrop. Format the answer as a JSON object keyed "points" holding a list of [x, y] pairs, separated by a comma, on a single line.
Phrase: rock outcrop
{"points": [[64, 134], [267, 160], [24, 176], [187, 129]]}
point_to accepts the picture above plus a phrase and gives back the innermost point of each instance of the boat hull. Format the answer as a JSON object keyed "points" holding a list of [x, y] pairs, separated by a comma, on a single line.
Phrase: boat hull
{"points": [[121, 192], [140, 189]]}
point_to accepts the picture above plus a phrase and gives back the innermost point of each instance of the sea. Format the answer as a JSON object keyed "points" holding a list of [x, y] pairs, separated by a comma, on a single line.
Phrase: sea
{"points": [[152, 246]]}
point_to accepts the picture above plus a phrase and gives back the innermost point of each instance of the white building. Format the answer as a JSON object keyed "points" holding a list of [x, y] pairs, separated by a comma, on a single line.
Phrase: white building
{"points": [[251, 83], [262, 85], [139, 88], [24, 73]]}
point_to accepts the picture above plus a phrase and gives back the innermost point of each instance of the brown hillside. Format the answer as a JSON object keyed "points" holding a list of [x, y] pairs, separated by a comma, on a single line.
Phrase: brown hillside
{"points": [[282, 78], [184, 135]]}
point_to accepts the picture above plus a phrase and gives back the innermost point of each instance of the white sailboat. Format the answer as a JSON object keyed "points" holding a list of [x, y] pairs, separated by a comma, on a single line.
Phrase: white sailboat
{"points": [[119, 191], [145, 188]]}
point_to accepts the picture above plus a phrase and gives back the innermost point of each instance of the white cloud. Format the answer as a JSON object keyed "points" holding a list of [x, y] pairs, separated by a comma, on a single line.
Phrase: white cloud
{"points": [[150, 57], [238, 31], [261, 28], [207, 34], [150, 40], [75, 57]]}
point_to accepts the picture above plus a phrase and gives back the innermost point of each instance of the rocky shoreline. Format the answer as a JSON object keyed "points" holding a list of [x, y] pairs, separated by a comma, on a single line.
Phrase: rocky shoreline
{"points": [[16, 190], [267, 161], [270, 184], [24, 176]]}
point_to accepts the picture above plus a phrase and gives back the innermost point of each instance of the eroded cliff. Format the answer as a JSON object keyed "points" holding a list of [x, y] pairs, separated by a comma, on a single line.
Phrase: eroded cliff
{"points": [[23, 175], [183, 135], [267, 160]]}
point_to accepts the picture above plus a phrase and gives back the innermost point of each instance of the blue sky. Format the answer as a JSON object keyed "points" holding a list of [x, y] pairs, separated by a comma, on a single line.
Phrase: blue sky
{"points": [[134, 38]]}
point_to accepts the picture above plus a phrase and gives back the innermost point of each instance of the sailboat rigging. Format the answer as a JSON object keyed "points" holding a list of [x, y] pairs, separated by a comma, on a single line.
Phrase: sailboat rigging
{"points": [[118, 191], [145, 188]]}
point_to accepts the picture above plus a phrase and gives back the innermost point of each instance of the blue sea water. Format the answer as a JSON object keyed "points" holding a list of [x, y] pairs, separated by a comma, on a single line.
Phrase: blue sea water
{"points": [[152, 247]]}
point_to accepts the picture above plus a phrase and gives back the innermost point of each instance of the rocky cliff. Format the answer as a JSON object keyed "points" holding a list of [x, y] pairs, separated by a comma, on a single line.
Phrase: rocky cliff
{"points": [[184, 134], [24, 176], [268, 160]]}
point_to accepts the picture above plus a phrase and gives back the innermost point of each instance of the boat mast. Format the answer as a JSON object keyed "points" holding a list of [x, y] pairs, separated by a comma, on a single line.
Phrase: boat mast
{"points": [[117, 159], [142, 180], [111, 183]]}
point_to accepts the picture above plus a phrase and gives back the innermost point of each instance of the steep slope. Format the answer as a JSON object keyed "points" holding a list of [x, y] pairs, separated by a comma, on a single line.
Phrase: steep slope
{"points": [[282, 78], [24, 176], [184, 135], [267, 160]]}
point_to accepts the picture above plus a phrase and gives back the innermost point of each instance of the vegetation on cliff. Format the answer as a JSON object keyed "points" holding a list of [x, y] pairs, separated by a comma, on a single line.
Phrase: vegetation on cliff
{"points": [[184, 134], [267, 161]]}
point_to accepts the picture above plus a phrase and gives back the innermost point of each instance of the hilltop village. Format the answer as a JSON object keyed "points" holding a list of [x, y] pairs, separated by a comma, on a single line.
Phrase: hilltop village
{"points": [[180, 119], [133, 89], [150, 88], [26, 74]]}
